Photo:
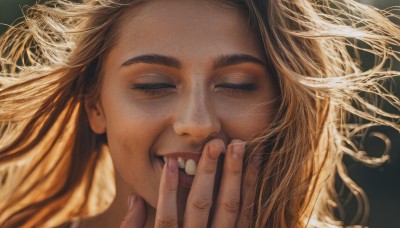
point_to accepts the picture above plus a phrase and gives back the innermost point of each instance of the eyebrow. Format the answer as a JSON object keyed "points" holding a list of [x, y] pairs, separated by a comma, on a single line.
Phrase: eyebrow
{"points": [[228, 60], [169, 61], [154, 59]]}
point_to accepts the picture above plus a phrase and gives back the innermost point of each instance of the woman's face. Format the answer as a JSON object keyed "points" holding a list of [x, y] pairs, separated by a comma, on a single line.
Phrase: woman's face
{"points": [[180, 73]]}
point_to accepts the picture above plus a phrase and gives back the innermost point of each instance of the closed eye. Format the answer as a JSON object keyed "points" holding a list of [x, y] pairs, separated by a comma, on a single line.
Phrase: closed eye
{"points": [[236, 90], [153, 89], [144, 86], [244, 86]]}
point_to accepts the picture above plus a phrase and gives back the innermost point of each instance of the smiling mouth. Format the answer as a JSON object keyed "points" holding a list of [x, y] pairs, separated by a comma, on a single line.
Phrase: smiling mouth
{"points": [[187, 163]]}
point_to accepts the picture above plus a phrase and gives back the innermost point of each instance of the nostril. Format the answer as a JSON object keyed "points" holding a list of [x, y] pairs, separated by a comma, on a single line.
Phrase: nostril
{"points": [[198, 136], [199, 126]]}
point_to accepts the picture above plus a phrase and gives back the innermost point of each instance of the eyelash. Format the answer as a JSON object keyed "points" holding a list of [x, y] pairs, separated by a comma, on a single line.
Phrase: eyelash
{"points": [[155, 89], [244, 86]]}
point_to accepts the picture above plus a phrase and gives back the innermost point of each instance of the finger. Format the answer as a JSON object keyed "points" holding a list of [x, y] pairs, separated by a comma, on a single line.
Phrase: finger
{"points": [[228, 201], [200, 197], [136, 216], [167, 215], [248, 193]]}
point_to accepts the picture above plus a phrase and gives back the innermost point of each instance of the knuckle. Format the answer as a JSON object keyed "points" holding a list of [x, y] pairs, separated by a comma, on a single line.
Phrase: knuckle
{"points": [[236, 170], [167, 222], [231, 206], [202, 205], [172, 189], [124, 224], [209, 168], [247, 212]]}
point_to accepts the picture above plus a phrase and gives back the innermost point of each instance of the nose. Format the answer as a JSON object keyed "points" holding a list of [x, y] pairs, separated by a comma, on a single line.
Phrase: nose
{"points": [[196, 120]]}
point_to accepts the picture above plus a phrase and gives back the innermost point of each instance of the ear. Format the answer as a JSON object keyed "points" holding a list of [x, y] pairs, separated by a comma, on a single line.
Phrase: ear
{"points": [[95, 115]]}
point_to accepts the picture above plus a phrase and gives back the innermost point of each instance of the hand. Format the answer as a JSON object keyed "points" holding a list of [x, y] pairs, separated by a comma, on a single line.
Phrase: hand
{"points": [[136, 215], [200, 197], [199, 201]]}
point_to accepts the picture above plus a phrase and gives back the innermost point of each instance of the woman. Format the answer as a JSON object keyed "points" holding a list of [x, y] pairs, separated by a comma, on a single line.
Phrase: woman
{"points": [[213, 113]]}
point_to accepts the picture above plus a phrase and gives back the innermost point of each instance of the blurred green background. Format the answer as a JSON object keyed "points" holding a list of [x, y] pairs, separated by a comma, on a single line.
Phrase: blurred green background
{"points": [[381, 184]]}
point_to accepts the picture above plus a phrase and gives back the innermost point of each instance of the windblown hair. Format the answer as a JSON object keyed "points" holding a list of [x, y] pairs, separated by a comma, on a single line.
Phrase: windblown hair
{"points": [[51, 162]]}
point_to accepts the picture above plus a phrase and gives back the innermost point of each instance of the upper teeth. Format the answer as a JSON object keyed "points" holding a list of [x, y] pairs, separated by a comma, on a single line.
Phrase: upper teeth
{"points": [[181, 163], [189, 166]]}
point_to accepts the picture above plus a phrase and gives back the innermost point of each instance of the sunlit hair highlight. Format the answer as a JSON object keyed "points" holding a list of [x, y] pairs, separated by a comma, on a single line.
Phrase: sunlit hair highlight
{"points": [[51, 162]]}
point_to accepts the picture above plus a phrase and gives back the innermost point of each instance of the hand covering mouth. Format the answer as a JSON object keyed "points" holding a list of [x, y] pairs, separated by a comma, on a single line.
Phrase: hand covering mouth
{"points": [[187, 161]]}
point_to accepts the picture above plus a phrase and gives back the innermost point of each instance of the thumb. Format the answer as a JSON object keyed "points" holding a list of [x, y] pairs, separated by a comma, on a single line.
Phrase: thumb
{"points": [[136, 215]]}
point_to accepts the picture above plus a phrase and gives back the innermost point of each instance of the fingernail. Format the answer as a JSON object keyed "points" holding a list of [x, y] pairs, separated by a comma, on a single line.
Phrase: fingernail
{"points": [[238, 150], [172, 165], [223, 150], [131, 201], [215, 148]]}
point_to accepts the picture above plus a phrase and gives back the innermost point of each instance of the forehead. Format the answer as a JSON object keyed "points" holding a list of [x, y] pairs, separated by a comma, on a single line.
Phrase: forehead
{"points": [[173, 25], [176, 9]]}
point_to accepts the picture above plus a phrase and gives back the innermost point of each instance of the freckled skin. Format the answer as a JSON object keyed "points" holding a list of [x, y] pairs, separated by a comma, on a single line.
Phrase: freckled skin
{"points": [[141, 125]]}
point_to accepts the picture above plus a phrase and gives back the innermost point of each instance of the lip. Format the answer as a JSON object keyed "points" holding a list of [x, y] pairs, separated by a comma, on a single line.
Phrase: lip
{"points": [[184, 155]]}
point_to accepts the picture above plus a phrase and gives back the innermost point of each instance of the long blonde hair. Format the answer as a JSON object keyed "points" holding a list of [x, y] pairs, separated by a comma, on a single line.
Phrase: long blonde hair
{"points": [[53, 168]]}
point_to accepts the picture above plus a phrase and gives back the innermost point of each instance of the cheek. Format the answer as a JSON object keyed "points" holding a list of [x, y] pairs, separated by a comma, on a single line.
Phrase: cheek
{"points": [[131, 133], [245, 120], [130, 149], [126, 151], [131, 138]]}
